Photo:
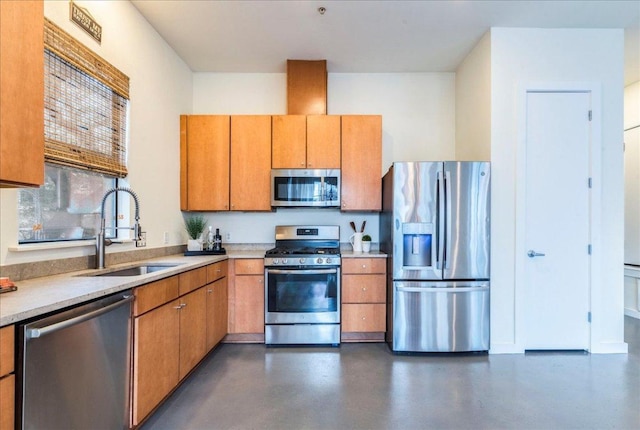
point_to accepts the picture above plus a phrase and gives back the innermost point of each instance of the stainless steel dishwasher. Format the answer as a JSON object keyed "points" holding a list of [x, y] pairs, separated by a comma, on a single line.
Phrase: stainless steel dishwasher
{"points": [[76, 366]]}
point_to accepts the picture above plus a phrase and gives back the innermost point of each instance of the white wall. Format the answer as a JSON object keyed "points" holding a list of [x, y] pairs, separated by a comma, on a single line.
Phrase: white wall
{"points": [[160, 90], [632, 106], [556, 55], [473, 103], [632, 198], [418, 117]]}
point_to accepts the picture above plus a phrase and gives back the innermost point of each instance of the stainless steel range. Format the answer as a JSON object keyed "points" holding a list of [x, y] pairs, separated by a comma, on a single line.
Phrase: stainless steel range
{"points": [[302, 286]]}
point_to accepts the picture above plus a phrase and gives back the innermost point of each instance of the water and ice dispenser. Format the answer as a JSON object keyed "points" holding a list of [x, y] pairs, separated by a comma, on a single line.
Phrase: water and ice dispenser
{"points": [[417, 239]]}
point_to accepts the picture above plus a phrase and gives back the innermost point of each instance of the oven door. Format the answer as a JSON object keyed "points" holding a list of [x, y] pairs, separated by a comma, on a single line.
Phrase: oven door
{"points": [[307, 296]]}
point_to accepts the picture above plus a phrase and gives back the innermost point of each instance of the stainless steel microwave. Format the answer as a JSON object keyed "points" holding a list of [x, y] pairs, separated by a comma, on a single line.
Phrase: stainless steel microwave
{"points": [[305, 187]]}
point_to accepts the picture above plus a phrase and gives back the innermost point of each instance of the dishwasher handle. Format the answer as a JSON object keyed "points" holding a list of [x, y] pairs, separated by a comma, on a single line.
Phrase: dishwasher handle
{"points": [[34, 333]]}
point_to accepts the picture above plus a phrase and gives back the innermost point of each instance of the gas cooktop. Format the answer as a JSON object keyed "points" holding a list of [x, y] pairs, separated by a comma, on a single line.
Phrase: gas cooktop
{"points": [[305, 246]]}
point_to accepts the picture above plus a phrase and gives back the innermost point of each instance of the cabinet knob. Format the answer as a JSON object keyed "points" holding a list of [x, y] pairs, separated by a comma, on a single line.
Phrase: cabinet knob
{"points": [[364, 318], [209, 291], [364, 288], [364, 266], [302, 164]]}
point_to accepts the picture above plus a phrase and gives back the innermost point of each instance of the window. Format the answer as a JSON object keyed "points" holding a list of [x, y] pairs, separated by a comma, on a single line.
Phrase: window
{"points": [[66, 207], [86, 112]]}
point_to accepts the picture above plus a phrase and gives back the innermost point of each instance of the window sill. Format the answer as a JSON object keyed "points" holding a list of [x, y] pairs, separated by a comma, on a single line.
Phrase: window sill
{"points": [[26, 247]]}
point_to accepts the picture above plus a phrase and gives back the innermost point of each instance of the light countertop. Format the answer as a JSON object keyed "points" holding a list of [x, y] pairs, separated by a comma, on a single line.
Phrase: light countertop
{"points": [[39, 296]]}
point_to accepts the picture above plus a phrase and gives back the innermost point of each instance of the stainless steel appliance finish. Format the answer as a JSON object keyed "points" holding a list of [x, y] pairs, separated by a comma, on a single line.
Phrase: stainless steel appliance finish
{"points": [[451, 316], [305, 187], [302, 286], [76, 367], [435, 226]]}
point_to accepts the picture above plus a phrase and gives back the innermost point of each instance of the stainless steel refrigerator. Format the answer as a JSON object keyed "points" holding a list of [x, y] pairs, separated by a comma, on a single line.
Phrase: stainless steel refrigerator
{"points": [[435, 227]]}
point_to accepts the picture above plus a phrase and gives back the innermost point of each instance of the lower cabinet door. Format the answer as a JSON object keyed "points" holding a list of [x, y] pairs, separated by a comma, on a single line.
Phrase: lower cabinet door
{"points": [[193, 330], [156, 357], [217, 312], [249, 304], [7, 402]]}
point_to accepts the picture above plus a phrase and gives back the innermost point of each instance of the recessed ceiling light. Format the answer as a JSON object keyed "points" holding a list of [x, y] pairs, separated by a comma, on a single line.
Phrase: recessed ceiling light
{"points": [[322, 10]]}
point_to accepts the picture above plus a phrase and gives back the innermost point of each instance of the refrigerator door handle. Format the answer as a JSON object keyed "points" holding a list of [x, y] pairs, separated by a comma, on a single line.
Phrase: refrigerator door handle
{"points": [[441, 221], [448, 227], [441, 289]]}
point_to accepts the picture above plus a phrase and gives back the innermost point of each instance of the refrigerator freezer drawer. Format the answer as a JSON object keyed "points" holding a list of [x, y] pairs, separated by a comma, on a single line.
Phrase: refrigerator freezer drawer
{"points": [[440, 319]]}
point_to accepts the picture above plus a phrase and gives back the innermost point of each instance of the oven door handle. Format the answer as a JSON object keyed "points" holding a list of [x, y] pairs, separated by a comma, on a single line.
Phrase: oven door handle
{"points": [[301, 272]]}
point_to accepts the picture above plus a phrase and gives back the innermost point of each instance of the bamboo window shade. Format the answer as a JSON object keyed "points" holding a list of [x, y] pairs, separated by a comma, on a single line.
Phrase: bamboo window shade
{"points": [[86, 105]]}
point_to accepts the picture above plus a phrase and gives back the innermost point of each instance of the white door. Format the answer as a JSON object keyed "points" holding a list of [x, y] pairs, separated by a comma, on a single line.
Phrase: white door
{"points": [[557, 221]]}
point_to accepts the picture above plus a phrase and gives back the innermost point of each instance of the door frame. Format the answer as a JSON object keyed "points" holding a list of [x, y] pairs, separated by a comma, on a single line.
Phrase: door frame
{"points": [[594, 204]]}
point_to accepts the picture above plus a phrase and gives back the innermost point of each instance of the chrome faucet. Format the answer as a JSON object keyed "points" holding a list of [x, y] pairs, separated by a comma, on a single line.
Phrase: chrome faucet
{"points": [[101, 242]]}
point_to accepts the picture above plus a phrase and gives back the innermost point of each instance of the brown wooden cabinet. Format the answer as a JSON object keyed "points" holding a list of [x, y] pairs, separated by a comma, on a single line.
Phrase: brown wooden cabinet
{"points": [[289, 142], [156, 358], [363, 299], [323, 141], [217, 303], [361, 161], [204, 162], [246, 300], [193, 329], [7, 378], [171, 333], [300, 142], [250, 163], [21, 93]]}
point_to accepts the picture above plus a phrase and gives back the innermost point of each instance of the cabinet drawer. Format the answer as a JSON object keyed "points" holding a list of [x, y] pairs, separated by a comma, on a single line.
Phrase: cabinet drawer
{"points": [[251, 266], [367, 317], [154, 294], [364, 265], [216, 271], [363, 289], [7, 336], [192, 280]]}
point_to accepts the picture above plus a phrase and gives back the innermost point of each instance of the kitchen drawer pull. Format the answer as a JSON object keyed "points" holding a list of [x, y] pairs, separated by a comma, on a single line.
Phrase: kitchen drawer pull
{"points": [[209, 290]]}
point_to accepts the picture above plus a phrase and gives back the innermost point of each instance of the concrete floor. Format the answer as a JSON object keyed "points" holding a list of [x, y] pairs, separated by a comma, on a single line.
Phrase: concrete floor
{"points": [[364, 386]]}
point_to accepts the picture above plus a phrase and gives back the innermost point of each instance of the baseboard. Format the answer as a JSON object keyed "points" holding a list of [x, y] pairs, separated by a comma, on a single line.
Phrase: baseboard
{"points": [[610, 348], [633, 313], [505, 348]]}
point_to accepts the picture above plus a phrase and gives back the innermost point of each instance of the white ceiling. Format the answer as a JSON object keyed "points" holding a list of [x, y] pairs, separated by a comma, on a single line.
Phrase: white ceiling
{"points": [[366, 36]]}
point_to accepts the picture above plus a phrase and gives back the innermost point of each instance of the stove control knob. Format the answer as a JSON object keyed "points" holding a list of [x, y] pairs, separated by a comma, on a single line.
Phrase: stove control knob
{"points": [[284, 261], [302, 260], [328, 260], [275, 261], [319, 260]]}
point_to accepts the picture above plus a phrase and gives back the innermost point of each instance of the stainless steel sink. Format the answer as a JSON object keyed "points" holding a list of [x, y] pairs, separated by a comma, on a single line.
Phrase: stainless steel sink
{"points": [[141, 269]]}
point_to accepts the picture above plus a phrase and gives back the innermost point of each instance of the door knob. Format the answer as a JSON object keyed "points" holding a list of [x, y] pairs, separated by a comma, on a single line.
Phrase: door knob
{"points": [[533, 254]]}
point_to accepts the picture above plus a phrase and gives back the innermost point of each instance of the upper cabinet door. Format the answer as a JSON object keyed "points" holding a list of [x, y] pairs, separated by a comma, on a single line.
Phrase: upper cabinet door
{"points": [[250, 163], [361, 163], [21, 93], [204, 143], [323, 141], [289, 142]]}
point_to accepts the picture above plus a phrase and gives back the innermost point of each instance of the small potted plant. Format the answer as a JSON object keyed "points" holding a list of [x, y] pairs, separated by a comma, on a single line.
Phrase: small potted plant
{"points": [[366, 243], [195, 225]]}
